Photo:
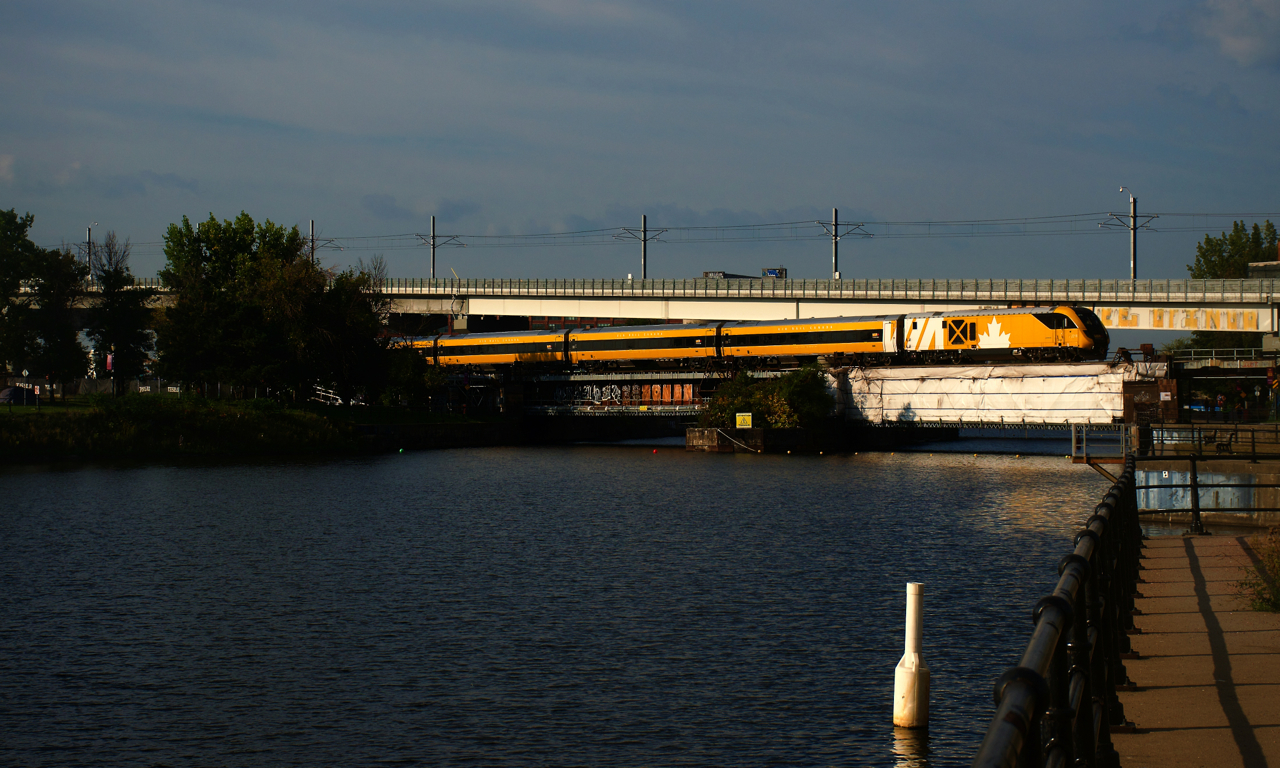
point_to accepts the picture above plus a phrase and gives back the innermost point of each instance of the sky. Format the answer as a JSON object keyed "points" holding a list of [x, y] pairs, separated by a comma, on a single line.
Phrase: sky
{"points": [[501, 117]]}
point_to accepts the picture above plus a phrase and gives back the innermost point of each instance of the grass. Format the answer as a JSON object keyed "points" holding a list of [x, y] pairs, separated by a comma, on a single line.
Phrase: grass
{"points": [[148, 427], [1261, 586]]}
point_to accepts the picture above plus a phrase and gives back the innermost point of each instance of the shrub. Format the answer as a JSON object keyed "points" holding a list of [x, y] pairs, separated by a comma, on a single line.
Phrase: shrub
{"points": [[797, 399], [1261, 586]]}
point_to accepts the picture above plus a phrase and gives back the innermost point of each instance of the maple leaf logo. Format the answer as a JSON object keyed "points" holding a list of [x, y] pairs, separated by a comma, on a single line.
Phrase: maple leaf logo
{"points": [[993, 338]]}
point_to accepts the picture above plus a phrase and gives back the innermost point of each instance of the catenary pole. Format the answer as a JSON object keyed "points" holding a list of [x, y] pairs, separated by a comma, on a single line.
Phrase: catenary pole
{"points": [[433, 247], [1133, 237], [835, 245], [644, 245]]}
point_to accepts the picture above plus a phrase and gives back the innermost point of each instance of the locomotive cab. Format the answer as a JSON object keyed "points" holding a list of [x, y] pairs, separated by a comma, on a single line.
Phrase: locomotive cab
{"points": [[1088, 334]]}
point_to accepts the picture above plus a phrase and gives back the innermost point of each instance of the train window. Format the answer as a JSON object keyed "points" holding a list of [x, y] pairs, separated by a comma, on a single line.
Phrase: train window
{"points": [[973, 331], [1055, 320]]}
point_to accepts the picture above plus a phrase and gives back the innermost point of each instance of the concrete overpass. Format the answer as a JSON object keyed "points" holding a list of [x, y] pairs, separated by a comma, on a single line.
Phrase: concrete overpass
{"points": [[1174, 305], [1164, 305]]}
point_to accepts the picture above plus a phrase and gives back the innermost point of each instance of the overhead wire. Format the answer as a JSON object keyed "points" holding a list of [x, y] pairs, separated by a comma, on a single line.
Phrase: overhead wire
{"points": [[1027, 226]]}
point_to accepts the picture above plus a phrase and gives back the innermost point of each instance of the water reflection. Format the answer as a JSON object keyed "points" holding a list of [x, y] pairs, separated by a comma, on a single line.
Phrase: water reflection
{"points": [[911, 747], [512, 607]]}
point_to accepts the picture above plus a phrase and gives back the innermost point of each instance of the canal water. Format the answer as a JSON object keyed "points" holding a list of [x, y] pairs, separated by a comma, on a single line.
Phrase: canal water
{"points": [[590, 605]]}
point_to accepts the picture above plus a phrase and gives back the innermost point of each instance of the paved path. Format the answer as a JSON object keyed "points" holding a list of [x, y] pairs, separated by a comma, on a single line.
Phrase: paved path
{"points": [[1208, 679]]}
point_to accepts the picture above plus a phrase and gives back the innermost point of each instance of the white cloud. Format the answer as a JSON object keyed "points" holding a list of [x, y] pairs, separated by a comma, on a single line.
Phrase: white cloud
{"points": [[6, 167], [1246, 30]]}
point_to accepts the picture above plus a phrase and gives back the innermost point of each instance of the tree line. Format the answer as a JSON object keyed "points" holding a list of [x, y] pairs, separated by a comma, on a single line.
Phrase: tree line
{"points": [[42, 311], [1226, 257], [245, 305]]}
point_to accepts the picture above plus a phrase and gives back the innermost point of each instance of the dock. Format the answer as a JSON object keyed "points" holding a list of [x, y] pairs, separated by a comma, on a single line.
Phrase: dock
{"points": [[1207, 674]]}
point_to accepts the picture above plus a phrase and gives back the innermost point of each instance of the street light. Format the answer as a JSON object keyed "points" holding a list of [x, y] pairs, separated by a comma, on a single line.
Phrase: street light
{"points": [[1133, 234], [88, 242]]}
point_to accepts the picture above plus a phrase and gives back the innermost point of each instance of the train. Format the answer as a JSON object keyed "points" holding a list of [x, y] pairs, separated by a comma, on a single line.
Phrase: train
{"points": [[1029, 334]]}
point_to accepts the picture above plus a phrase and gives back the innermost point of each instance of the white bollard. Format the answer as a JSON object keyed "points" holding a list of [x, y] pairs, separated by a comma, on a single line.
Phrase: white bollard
{"points": [[911, 678]]}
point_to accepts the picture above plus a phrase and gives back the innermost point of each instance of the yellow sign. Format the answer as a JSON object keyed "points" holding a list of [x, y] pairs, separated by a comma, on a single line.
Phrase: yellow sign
{"points": [[744, 421]]}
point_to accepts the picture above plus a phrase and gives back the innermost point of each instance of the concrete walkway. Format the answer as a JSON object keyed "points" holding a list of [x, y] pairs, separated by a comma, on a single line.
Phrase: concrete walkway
{"points": [[1208, 676]]}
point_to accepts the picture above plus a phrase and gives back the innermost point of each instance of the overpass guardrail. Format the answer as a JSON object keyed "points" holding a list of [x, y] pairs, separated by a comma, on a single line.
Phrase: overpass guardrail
{"points": [[1058, 707], [1258, 291]]}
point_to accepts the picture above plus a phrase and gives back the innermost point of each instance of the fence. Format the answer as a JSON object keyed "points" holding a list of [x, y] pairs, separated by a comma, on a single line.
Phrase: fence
{"points": [[1256, 291], [213, 389], [1058, 706]]}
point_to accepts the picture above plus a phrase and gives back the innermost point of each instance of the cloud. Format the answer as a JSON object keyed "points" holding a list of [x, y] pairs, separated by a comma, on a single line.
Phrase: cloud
{"points": [[170, 181], [135, 184], [452, 210], [1219, 100], [123, 186], [385, 207], [1245, 30], [6, 167]]}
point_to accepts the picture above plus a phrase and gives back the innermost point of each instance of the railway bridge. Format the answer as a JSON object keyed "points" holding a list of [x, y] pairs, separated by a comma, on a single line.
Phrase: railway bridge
{"points": [[1167, 305], [1162, 305]]}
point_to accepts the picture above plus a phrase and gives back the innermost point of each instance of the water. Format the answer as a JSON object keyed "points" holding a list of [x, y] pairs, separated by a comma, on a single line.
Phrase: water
{"points": [[554, 606]]}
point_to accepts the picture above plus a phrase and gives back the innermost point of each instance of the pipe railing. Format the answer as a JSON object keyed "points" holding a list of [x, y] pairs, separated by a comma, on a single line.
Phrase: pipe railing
{"points": [[1184, 291], [1058, 706]]}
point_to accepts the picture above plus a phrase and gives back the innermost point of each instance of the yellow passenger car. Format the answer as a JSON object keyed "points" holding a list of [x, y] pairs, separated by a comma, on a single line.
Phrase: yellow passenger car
{"points": [[642, 342], [828, 336], [500, 348]]}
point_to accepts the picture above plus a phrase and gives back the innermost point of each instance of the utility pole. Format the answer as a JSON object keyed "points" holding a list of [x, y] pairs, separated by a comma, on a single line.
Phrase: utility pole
{"points": [[313, 241], [1133, 237], [835, 246], [644, 246], [88, 243], [1132, 224], [432, 242], [833, 229], [644, 237]]}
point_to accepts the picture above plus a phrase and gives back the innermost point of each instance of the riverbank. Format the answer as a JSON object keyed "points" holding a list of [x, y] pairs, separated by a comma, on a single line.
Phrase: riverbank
{"points": [[152, 428]]}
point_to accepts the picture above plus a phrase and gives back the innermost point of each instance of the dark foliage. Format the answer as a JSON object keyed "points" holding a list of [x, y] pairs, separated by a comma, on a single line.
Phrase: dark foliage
{"points": [[797, 399], [251, 308], [38, 329], [1228, 257], [119, 321]]}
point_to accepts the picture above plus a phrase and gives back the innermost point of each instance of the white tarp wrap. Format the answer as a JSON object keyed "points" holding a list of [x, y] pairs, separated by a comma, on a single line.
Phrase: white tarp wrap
{"points": [[1078, 393]]}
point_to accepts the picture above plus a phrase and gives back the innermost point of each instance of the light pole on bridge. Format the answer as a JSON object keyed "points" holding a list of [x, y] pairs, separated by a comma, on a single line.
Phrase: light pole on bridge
{"points": [[1132, 224]]}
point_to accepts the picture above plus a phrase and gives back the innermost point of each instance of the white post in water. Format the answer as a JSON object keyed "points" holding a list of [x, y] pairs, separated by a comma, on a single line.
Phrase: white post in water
{"points": [[911, 678]]}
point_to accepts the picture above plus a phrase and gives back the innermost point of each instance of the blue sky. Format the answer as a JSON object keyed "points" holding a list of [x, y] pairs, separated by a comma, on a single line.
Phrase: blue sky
{"points": [[553, 115]]}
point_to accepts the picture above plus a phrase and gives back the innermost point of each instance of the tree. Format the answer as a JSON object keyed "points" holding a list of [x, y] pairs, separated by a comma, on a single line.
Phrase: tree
{"points": [[1228, 257], [249, 307], [797, 399], [18, 256], [57, 286], [39, 293], [239, 294], [120, 321], [351, 351]]}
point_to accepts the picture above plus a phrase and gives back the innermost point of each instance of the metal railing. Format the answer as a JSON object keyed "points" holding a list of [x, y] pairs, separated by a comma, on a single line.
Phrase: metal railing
{"points": [[1058, 706], [1215, 440], [1234, 353], [994, 290]]}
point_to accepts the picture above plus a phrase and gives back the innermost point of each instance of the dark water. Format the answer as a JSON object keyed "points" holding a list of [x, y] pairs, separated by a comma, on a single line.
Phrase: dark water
{"points": [[564, 606]]}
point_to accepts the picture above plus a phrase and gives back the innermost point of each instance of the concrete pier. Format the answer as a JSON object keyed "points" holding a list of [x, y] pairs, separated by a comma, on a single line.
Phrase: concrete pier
{"points": [[1208, 673]]}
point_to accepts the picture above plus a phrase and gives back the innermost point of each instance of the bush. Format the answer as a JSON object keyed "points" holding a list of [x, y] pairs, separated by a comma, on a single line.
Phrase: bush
{"points": [[797, 399], [1261, 587]]}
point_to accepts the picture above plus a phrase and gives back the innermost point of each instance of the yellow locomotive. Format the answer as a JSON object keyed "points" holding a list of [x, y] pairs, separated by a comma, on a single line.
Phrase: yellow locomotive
{"points": [[1028, 333]]}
